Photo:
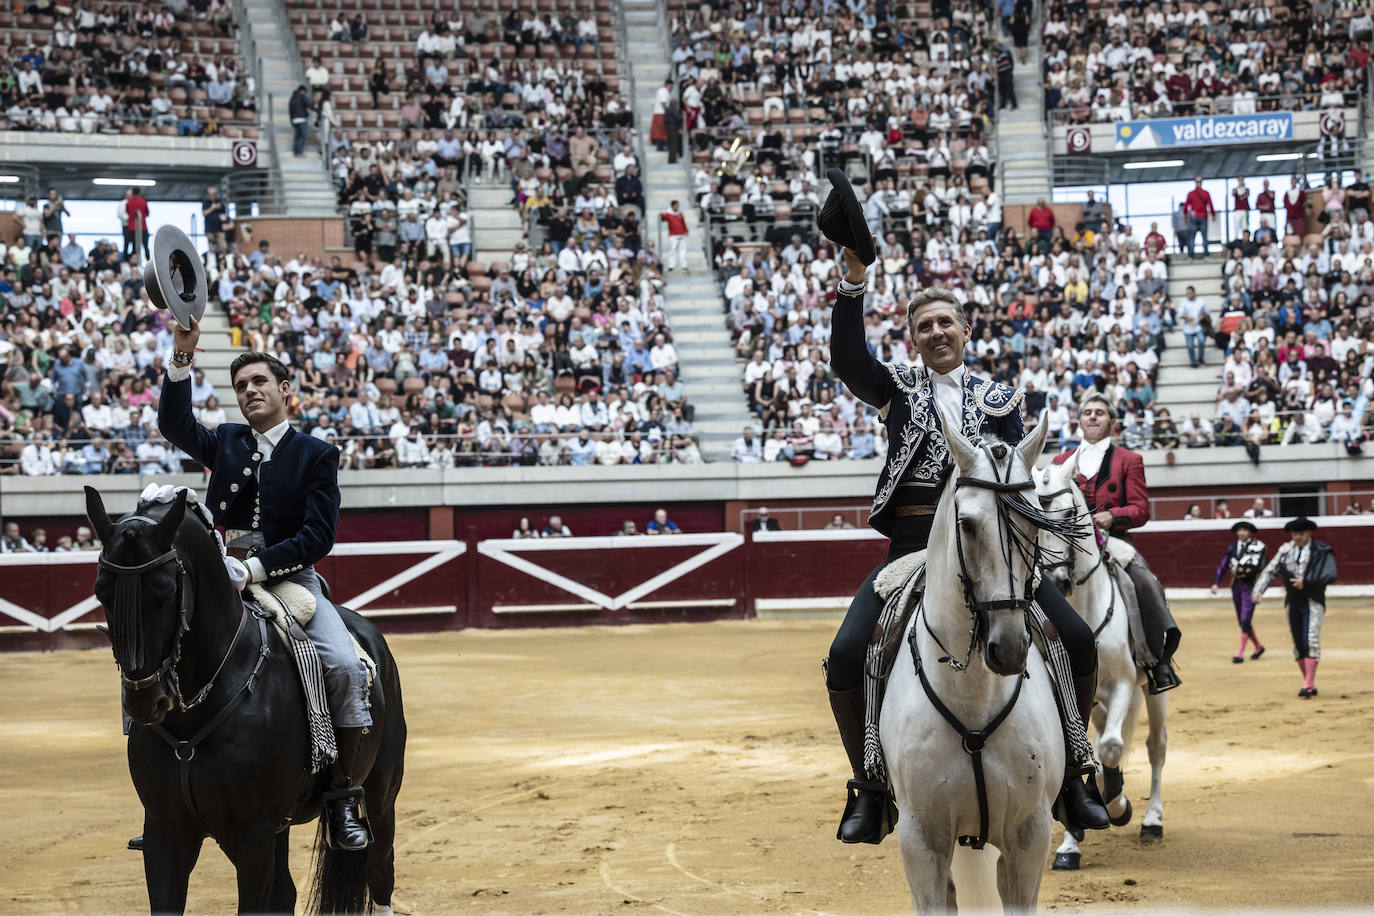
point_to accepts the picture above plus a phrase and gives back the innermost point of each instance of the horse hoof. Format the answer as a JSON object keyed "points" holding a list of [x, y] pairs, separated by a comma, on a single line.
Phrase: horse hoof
{"points": [[1124, 818], [1151, 833], [1067, 861]]}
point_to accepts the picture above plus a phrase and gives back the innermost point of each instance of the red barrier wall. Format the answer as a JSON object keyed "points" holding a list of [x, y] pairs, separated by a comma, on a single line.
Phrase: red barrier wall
{"points": [[425, 585]]}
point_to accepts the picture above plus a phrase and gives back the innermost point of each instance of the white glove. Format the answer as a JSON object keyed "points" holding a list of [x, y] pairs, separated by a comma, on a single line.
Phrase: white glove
{"points": [[238, 573]]}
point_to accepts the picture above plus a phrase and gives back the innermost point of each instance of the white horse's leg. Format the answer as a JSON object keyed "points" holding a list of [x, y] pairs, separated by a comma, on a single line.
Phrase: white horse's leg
{"points": [[1111, 743], [1024, 866], [1068, 856], [1152, 825], [975, 879], [926, 864]]}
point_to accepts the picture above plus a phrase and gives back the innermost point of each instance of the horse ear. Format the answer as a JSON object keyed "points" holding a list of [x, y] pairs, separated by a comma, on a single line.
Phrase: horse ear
{"points": [[100, 519], [1070, 466], [166, 529], [964, 452], [1030, 448]]}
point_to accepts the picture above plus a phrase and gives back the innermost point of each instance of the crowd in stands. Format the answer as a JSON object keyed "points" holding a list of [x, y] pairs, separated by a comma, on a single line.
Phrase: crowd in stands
{"points": [[432, 359], [111, 68], [409, 363], [904, 105], [1138, 59], [1296, 329], [1059, 314], [80, 358]]}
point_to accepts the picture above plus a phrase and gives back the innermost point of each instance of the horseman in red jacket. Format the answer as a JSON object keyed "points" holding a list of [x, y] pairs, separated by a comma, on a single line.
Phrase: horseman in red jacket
{"points": [[1113, 483]]}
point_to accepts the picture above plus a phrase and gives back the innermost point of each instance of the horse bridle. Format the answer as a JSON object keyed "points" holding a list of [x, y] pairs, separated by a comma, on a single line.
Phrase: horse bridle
{"points": [[125, 596], [1066, 563], [978, 609]]}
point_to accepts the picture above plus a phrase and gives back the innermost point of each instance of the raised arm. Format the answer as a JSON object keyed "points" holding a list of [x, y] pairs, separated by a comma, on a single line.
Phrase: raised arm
{"points": [[854, 364], [175, 419]]}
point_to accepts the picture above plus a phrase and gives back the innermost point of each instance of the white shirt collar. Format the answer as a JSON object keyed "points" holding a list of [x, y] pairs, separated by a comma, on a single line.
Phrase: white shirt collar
{"points": [[1098, 448], [273, 435], [954, 377]]}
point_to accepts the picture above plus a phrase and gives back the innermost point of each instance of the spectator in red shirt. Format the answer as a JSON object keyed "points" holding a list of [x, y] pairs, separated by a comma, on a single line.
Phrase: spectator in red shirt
{"points": [[1154, 242], [137, 208], [1264, 202], [1295, 208], [677, 236], [1198, 206], [1041, 219]]}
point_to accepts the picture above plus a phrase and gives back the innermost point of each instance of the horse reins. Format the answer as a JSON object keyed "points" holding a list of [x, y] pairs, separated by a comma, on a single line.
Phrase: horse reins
{"points": [[1067, 562], [975, 606], [974, 740], [126, 594]]}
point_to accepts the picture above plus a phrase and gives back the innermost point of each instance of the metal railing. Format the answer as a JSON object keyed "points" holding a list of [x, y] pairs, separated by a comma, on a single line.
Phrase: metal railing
{"points": [[1066, 115]]}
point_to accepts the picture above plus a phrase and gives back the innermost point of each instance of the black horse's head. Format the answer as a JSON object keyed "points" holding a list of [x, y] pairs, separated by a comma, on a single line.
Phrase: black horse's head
{"points": [[139, 586]]}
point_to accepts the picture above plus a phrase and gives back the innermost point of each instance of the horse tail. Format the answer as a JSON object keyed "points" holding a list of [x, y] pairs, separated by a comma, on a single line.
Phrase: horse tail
{"points": [[975, 879], [340, 882]]}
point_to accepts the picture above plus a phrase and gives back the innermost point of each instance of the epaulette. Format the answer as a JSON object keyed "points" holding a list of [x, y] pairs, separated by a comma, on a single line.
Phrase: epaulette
{"points": [[996, 399]]}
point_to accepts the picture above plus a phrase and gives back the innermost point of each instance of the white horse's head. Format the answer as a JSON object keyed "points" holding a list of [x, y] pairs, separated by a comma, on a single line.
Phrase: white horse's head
{"points": [[1060, 498], [990, 505]]}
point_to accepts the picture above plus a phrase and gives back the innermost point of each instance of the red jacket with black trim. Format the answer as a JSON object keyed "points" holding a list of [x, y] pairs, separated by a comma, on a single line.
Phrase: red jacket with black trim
{"points": [[1118, 487]]}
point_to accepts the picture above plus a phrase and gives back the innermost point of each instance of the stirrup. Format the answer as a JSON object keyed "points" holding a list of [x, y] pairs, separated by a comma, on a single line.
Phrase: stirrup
{"points": [[1161, 677], [888, 813], [355, 792]]}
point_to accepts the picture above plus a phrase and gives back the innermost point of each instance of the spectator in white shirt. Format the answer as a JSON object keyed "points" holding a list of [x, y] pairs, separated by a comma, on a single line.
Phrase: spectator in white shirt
{"points": [[152, 455], [661, 354], [746, 449], [36, 460], [1303, 430], [97, 414]]}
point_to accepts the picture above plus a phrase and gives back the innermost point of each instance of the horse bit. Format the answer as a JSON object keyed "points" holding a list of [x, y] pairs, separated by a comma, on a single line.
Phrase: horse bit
{"points": [[168, 667]]}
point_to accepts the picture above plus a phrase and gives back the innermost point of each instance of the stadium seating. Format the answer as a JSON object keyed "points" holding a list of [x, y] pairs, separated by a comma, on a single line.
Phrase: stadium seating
{"points": [[1110, 62], [125, 68]]}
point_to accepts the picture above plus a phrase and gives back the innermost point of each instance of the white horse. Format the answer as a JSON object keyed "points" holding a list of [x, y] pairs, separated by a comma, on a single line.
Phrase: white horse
{"points": [[1082, 575], [931, 767]]}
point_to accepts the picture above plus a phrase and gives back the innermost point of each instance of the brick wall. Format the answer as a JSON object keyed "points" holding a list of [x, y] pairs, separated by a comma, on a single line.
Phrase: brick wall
{"points": [[290, 236]]}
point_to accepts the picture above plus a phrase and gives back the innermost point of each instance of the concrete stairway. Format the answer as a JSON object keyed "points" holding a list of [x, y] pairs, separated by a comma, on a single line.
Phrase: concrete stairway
{"points": [[710, 372], [1021, 142], [304, 180], [1178, 386], [496, 223]]}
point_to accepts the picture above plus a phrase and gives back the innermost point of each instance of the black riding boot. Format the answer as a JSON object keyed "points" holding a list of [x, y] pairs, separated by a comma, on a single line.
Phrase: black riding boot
{"points": [[136, 843], [348, 828], [869, 814], [1159, 624], [1082, 803]]}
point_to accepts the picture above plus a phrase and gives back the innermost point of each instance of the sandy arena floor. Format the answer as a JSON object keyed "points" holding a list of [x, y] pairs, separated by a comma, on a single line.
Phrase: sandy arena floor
{"points": [[694, 769]]}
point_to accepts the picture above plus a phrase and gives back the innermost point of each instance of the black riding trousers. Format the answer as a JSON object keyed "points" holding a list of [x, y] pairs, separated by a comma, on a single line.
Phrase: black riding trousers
{"points": [[847, 652]]}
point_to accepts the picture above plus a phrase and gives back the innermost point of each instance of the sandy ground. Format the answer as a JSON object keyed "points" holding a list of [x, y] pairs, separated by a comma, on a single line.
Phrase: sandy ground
{"points": [[694, 769]]}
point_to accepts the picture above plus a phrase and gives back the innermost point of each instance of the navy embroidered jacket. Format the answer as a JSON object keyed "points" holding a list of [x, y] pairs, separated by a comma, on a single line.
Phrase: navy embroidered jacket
{"points": [[292, 498], [916, 451]]}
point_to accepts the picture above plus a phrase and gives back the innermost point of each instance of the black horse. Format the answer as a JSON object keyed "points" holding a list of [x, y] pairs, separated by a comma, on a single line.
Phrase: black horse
{"points": [[218, 744]]}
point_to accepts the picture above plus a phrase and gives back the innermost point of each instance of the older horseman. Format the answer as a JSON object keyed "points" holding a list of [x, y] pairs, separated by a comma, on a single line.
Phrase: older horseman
{"points": [[276, 493], [1113, 483], [918, 404]]}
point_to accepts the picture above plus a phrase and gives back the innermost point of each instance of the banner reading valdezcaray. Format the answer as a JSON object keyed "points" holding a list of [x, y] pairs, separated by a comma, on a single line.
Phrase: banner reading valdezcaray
{"points": [[1255, 128]]}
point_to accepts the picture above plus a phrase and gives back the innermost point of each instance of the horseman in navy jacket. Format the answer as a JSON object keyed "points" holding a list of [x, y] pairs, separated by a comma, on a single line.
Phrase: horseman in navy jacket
{"points": [[917, 404], [276, 493]]}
